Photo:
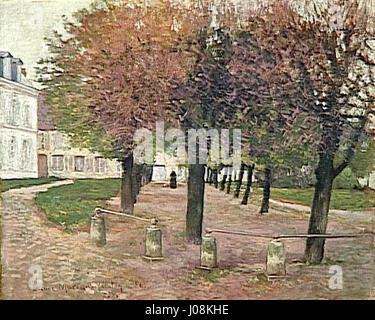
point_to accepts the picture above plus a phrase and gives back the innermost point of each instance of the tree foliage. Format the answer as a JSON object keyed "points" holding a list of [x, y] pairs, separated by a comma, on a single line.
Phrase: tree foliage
{"points": [[113, 74]]}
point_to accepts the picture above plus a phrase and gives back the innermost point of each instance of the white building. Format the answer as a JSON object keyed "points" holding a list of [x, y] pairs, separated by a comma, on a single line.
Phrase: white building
{"points": [[18, 121], [163, 167]]}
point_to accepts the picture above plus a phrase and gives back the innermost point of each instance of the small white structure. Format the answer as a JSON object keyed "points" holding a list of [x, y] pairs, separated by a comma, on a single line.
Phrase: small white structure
{"points": [[18, 121], [371, 180], [163, 167]]}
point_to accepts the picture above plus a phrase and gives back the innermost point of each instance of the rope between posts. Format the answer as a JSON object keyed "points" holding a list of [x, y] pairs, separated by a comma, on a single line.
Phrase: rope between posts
{"points": [[327, 236], [289, 236], [98, 211], [241, 233]]}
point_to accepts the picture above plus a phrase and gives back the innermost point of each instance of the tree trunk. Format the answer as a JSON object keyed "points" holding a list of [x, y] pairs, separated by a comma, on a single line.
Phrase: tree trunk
{"points": [[210, 177], [150, 173], [127, 197], [194, 216], [314, 251], [239, 182], [139, 178], [134, 183], [250, 170], [229, 184], [207, 174], [266, 191], [144, 176], [215, 178], [224, 180]]}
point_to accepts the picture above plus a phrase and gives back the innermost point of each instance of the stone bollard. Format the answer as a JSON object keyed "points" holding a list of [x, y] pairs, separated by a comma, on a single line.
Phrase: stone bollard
{"points": [[276, 259], [154, 248], [208, 253], [98, 229]]}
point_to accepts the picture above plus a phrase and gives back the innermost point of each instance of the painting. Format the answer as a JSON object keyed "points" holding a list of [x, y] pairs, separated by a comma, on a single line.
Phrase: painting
{"points": [[178, 150]]}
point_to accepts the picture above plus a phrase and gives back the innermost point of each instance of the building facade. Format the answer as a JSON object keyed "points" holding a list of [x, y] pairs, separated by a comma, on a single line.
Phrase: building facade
{"points": [[163, 167], [58, 158], [18, 121]]}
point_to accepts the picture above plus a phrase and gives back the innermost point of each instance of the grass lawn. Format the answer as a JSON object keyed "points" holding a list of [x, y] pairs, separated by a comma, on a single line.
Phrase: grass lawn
{"points": [[71, 205], [22, 183], [342, 199]]}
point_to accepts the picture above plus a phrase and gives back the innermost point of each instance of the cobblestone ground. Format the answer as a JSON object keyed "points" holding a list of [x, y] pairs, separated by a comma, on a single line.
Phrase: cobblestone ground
{"points": [[73, 268]]}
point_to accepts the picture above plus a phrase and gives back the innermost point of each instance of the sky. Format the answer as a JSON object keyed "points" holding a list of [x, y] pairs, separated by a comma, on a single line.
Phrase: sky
{"points": [[25, 23]]}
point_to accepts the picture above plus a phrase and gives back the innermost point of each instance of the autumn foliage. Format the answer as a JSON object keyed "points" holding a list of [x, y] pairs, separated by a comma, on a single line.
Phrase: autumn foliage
{"points": [[114, 72], [300, 87]]}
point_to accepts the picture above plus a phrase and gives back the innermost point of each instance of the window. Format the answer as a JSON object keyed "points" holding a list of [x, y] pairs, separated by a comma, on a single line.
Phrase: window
{"points": [[4, 105], [42, 141], [12, 149], [99, 165], [119, 168], [79, 164], [58, 163], [14, 110], [25, 154], [58, 141], [26, 118]]}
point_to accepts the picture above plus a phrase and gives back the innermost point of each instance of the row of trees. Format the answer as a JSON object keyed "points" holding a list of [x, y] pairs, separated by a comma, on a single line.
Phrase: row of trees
{"points": [[299, 89]]}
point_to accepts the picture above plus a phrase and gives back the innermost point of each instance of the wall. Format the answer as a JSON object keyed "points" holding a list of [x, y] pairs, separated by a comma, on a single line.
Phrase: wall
{"points": [[163, 167], [18, 130], [371, 181]]}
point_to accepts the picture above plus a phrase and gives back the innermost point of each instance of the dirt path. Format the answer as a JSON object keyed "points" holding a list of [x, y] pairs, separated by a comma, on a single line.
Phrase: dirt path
{"points": [[73, 268]]}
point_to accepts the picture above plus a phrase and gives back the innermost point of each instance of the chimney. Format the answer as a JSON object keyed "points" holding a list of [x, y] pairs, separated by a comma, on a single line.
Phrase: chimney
{"points": [[16, 69], [6, 65]]}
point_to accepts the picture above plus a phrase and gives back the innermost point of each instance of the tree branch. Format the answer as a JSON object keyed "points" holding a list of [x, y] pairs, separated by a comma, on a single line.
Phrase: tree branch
{"points": [[350, 153]]}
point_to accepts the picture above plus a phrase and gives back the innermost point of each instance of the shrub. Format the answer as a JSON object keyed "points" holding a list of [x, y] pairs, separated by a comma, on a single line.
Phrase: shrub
{"points": [[346, 180]]}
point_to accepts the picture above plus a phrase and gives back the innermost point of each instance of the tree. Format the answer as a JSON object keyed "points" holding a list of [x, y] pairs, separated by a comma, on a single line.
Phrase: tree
{"points": [[202, 102], [229, 184], [324, 73], [221, 94], [250, 172], [272, 141], [239, 181], [218, 94], [195, 207], [224, 178], [112, 76], [266, 191]]}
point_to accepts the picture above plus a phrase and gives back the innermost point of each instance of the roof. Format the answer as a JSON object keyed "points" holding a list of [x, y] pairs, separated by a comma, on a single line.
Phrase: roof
{"points": [[17, 60], [5, 54]]}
